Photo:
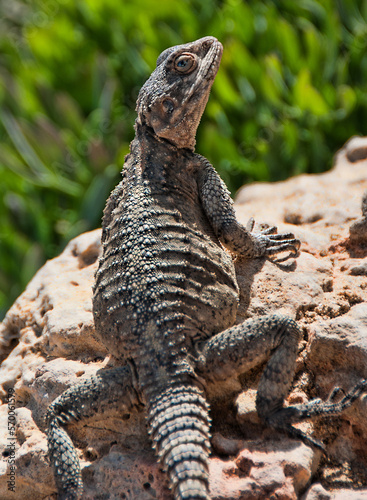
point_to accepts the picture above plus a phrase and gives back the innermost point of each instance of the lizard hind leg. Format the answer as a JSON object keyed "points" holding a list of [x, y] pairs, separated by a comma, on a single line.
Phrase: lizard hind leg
{"points": [[284, 417], [272, 339], [274, 386], [239, 349], [178, 423], [108, 387]]}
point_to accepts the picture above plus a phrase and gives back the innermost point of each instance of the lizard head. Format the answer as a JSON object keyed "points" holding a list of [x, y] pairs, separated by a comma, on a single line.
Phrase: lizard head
{"points": [[173, 99]]}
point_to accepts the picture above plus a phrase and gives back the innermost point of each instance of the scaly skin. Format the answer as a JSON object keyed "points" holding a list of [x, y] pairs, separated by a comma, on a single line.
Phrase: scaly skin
{"points": [[165, 293]]}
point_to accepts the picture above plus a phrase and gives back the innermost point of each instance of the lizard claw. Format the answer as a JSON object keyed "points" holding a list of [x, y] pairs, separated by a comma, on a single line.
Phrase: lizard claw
{"points": [[250, 225], [268, 242], [285, 417]]}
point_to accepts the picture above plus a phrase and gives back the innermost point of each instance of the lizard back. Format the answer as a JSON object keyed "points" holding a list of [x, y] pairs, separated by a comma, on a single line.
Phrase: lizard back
{"points": [[162, 270]]}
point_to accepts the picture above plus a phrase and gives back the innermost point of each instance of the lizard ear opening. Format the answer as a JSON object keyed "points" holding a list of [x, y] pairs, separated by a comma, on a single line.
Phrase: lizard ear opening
{"points": [[162, 114], [168, 122], [168, 105]]}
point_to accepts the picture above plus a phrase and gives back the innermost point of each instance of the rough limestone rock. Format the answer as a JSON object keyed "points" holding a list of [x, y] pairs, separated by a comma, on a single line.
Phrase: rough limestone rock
{"points": [[47, 343]]}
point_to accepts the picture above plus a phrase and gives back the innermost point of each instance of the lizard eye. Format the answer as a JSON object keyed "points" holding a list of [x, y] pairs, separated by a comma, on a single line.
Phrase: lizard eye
{"points": [[184, 63]]}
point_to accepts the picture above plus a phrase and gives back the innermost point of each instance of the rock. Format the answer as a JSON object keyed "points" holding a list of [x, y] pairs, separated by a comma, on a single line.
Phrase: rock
{"points": [[317, 492], [263, 470], [246, 408], [344, 494], [47, 343], [358, 230]]}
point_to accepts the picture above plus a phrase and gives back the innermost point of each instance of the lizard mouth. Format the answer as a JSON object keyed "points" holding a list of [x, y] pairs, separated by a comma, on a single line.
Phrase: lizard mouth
{"points": [[208, 69]]}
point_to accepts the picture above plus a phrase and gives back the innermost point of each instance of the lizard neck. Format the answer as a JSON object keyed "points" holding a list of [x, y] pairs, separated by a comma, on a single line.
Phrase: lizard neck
{"points": [[161, 163], [146, 137]]}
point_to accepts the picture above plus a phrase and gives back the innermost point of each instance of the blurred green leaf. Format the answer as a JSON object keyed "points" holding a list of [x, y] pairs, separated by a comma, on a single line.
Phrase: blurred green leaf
{"points": [[291, 90], [347, 98], [41, 173], [307, 97]]}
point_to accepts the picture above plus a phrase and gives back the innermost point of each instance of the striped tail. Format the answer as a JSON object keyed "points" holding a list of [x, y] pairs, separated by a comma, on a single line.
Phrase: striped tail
{"points": [[179, 427]]}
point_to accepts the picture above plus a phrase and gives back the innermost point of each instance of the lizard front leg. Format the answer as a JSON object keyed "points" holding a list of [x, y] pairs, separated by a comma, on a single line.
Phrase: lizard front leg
{"points": [[274, 339], [218, 206], [94, 395]]}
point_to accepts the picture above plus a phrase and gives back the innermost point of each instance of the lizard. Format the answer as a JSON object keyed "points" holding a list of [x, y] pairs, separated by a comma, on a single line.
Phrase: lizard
{"points": [[165, 294]]}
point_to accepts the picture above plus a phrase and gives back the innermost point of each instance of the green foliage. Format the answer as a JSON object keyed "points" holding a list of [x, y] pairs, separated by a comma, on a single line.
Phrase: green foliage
{"points": [[291, 90]]}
